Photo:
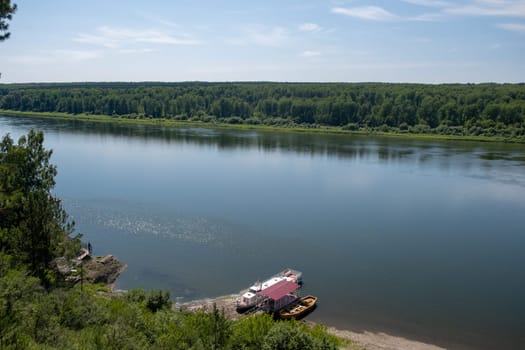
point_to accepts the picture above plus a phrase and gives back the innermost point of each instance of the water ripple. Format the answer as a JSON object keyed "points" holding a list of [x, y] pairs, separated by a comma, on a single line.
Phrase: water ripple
{"points": [[197, 230]]}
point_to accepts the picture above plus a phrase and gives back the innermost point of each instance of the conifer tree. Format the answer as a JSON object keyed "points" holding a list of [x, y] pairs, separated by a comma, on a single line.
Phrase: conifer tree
{"points": [[6, 13]]}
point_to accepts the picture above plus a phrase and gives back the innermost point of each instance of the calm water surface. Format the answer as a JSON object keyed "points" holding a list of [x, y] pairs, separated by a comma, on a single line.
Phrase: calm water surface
{"points": [[422, 239]]}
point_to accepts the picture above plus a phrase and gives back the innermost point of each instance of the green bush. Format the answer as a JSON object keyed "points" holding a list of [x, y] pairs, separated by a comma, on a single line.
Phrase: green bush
{"points": [[287, 336]]}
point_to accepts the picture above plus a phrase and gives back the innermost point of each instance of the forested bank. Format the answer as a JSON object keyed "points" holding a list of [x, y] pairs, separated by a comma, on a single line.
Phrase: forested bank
{"points": [[450, 109], [41, 308]]}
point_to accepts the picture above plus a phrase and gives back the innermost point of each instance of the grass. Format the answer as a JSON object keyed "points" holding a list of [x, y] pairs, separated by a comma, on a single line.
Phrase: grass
{"points": [[183, 123]]}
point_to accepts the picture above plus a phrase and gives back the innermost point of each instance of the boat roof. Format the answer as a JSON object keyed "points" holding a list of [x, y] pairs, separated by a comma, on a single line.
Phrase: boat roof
{"points": [[271, 282], [279, 289]]}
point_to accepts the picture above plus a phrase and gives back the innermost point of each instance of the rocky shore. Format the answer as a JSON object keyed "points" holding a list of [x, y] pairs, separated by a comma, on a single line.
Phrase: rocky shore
{"points": [[365, 340], [91, 269], [103, 269]]}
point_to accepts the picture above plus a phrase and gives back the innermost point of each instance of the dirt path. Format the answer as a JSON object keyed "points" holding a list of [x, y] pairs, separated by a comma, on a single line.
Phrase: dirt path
{"points": [[226, 303]]}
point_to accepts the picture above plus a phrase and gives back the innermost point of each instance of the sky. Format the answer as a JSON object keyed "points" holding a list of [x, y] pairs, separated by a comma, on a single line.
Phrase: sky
{"points": [[423, 41]]}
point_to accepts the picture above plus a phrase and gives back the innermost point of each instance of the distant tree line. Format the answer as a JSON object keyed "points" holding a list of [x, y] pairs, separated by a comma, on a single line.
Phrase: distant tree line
{"points": [[457, 109]]}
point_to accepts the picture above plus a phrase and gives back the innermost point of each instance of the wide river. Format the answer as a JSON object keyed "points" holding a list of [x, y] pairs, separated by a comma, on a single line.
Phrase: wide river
{"points": [[422, 239]]}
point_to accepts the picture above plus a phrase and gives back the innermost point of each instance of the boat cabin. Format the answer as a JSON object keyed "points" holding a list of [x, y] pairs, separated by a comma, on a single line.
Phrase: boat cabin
{"points": [[252, 297], [279, 295], [249, 298]]}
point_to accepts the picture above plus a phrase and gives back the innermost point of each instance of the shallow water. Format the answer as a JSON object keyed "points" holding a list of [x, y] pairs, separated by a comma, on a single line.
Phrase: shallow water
{"points": [[423, 239]]}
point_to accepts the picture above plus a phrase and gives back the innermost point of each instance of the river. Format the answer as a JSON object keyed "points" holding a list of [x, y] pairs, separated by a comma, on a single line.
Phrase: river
{"points": [[417, 238]]}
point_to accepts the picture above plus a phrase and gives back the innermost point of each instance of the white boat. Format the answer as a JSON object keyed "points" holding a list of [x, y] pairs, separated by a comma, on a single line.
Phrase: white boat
{"points": [[249, 298]]}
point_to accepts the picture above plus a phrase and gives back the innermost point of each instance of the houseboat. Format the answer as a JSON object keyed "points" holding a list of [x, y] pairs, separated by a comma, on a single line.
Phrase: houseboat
{"points": [[251, 297]]}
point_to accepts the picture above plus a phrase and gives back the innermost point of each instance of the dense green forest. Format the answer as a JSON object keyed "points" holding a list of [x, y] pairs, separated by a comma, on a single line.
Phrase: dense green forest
{"points": [[451, 109], [40, 309]]}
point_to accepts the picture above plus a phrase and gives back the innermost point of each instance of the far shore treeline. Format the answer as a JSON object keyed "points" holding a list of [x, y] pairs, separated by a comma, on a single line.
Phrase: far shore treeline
{"points": [[448, 109]]}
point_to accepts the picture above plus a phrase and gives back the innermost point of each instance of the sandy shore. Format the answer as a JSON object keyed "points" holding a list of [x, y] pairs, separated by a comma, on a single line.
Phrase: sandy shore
{"points": [[381, 341], [365, 340]]}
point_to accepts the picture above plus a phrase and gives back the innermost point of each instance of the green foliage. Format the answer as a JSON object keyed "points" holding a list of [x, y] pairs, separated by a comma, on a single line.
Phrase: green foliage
{"points": [[17, 290], [31, 316], [154, 300], [292, 335], [355, 106], [212, 329], [34, 228], [79, 310], [251, 332], [323, 339], [136, 295], [284, 336], [6, 14]]}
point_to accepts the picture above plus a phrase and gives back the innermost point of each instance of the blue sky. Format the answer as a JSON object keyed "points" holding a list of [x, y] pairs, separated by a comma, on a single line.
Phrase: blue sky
{"points": [[428, 41]]}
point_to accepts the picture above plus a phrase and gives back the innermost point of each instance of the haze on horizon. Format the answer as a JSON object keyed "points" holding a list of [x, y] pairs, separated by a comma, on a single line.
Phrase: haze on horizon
{"points": [[424, 41]]}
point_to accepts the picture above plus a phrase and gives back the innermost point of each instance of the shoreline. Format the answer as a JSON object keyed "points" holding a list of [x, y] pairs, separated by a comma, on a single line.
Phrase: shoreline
{"points": [[268, 128], [364, 340], [104, 269]]}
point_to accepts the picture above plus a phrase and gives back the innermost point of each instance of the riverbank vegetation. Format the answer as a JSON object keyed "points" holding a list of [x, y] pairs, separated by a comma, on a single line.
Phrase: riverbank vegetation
{"points": [[40, 309], [461, 110]]}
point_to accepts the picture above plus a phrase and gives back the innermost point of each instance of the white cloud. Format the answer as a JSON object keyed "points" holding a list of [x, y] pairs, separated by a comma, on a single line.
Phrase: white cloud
{"points": [[502, 8], [428, 3], [309, 53], [120, 37], [373, 13], [513, 27], [428, 17], [310, 27], [133, 51]]}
